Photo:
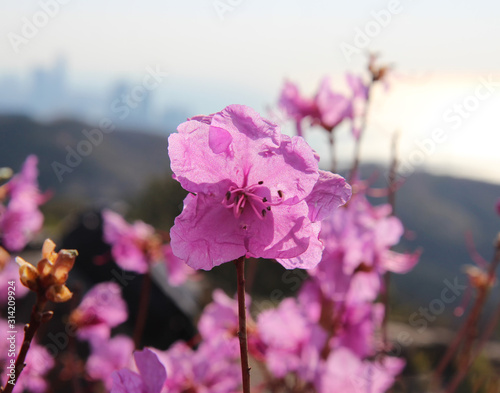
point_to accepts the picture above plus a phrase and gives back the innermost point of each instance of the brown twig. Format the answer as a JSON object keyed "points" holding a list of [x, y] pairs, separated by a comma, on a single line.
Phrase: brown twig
{"points": [[37, 317], [391, 198], [142, 315], [242, 324], [333, 156], [469, 326]]}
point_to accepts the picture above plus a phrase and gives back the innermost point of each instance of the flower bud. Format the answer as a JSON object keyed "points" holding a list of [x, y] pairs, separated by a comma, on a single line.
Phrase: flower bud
{"points": [[58, 293]]}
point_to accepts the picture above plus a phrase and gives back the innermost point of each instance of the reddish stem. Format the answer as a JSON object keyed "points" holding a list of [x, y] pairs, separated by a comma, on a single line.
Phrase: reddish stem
{"points": [[142, 315], [469, 327], [242, 322], [29, 333]]}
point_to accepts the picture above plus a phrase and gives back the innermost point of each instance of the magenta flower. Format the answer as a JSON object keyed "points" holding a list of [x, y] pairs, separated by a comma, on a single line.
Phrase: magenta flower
{"points": [[296, 106], [293, 342], [213, 368], [21, 219], [333, 107], [346, 372], [357, 252], [108, 356], [177, 270], [150, 378], [129, 243], [101, 309], [248, 189], [10, 272]]}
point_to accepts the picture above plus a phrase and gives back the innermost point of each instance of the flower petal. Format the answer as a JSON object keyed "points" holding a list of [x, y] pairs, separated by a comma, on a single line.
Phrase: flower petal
{"points": [[152, 371], [206, 234], [330, 192]]}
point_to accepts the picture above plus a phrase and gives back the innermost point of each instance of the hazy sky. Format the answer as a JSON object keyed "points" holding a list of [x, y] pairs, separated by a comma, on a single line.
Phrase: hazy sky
{"points": [[240, 51]]}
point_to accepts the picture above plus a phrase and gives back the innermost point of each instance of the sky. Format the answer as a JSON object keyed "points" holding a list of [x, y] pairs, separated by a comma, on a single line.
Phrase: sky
{"points": [[220, 52]]}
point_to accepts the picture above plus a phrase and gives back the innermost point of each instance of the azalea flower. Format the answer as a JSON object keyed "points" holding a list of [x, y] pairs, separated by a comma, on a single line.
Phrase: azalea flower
{"points": [[133, 246], [358, 241], [248, 187], [212, 368], [293, 342], [21, 218], [177, 270], [107, 356], [101, 309], [150, 378], [345, 372], [295, 105]]}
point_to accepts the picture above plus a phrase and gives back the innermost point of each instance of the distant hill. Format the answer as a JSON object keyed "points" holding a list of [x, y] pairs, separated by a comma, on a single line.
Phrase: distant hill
{"points": [[120, 165], [439, 210]]}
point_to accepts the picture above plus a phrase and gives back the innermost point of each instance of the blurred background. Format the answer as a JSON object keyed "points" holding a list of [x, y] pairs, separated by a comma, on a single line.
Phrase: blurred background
{"points": [[137, 70]]}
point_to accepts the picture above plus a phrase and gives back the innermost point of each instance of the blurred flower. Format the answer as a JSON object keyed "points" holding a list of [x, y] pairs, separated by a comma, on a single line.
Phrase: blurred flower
{"points": [[213, 368], [296, 106], [358, 241], [50, 274], [178, 271], [345, 372], [38, 362], [9, 271], [293, 342], [101, 309], [134, 247], [21, 219], [333, 108], [107, 356], [248, 186], [150, 378]]}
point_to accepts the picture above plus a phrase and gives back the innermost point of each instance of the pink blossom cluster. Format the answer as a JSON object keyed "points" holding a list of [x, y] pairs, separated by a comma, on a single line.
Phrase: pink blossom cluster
{"points": [[327, 108], [136, 247], [20, 221], [20, 218]]}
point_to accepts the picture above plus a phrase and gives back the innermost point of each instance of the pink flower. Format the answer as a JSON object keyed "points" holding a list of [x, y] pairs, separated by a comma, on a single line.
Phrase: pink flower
{"points": [[101, 309], [332, 107], [296, 106], [345, 372], [212, 368], [21, 219], [130, 244], [10, 272], [150, 378], [357, 252], [108, 356], [248, 189], [293, 342], [178, 271]]}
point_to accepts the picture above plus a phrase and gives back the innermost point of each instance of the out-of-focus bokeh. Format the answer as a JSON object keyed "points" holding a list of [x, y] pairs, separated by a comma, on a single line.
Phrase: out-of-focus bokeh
{"points": [[94, 88]]}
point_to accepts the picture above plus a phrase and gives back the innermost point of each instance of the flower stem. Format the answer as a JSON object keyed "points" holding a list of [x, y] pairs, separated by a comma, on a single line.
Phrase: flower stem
{"points": [[242, 322], [391, 199], [333, 156], [467, 332], [37, 315], [357, 147], [140, 323]]}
